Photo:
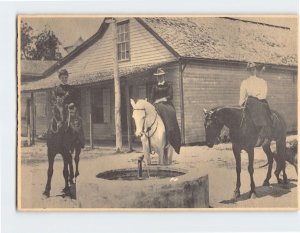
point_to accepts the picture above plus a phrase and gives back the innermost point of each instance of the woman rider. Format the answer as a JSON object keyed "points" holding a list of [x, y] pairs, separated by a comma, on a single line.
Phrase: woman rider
{"points": [[68, 96], [253, 94], [161, 98]]}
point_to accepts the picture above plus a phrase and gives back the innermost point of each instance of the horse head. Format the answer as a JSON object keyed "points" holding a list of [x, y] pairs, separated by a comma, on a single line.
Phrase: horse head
{"points": [[141, 109], [213, 126]]}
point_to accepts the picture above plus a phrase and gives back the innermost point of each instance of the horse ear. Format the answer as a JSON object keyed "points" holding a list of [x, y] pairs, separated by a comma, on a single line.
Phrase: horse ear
{"points": [[205, 111], [132, 103], [146, 99]]}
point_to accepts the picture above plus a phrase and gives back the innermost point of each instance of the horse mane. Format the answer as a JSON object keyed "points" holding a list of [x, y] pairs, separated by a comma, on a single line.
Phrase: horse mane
{"points": [[142, 103]]}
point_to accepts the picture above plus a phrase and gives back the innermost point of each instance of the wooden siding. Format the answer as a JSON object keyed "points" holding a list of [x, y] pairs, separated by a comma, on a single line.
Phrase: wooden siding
{"points": [[40, 99], [144, 49], [103, 131], [282, 96], [207, 86]]}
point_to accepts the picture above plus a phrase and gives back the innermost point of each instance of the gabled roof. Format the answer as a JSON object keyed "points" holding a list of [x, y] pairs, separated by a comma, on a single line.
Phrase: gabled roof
{"points": [[226, 39], [208, 38], [35, 67]]}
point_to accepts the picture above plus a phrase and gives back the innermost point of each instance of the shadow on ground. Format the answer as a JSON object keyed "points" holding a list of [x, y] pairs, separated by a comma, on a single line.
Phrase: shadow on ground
{"points": [[274, 190]]}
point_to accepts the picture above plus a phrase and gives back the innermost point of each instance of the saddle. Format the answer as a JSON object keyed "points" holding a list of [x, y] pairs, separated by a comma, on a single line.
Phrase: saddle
{"points": [[272, 115]]}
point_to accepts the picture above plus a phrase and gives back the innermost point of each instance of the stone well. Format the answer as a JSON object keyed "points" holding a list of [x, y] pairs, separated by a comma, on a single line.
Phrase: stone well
{"points": [[167, 187]]}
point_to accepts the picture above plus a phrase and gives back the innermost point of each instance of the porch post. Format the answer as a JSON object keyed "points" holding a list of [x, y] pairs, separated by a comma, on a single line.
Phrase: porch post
{"points": [[32, 118], [91, 121], [28, 122], [117, 90], [128, 113], [181, 70]]}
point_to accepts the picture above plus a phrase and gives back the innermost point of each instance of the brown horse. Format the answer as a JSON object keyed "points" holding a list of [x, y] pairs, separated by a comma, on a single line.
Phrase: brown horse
{"points": [[244, 135], [62, 139]]}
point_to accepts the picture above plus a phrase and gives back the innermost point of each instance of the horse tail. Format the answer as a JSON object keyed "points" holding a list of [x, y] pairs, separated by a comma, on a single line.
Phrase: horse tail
{"points": [[278, 122]]}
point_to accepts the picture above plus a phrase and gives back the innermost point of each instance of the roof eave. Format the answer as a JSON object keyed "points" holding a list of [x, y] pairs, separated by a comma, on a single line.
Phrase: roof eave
{"points": [[235, 62]]}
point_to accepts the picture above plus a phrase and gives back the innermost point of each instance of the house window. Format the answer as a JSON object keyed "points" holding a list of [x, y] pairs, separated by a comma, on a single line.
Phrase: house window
{"points": [[101, 105], [123, 41]]}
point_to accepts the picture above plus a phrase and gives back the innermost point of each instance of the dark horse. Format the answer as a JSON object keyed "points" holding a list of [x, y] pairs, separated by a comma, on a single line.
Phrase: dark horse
{"points": [[244, 135], [61, 139]]}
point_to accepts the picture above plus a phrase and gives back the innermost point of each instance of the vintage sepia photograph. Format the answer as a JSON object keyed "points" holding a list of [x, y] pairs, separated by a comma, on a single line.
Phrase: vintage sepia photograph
{"points": [[157, 112]]}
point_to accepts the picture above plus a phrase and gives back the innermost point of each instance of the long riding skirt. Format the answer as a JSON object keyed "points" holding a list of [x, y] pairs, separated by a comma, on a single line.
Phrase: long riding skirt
{"points": [[167, 112], [260, 114]]}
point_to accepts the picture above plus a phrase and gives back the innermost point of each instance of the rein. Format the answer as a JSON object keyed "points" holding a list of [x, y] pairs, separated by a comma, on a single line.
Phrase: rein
{"points": [[68, 122], [149, 128]]}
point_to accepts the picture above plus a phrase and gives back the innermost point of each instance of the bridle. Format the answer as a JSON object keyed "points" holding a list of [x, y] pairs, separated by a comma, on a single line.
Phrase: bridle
{"points": [[149, 128], [211, 116], [56, 120]]}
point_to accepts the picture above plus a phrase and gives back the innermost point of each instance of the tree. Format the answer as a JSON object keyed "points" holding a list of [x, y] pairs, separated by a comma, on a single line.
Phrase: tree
{"points": [[46, 46], [26, 41], [41, 46]]}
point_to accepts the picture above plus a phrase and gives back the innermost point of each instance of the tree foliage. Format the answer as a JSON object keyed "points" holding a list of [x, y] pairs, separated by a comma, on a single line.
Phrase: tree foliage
{"points": [[41, 46], [26, 41]]}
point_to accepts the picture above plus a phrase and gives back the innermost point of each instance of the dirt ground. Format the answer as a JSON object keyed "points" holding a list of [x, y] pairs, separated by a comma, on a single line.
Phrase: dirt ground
{"points": [[217, 162]]}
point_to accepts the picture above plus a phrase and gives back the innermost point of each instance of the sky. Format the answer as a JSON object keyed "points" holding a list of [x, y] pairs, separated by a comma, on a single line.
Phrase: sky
{"points": [[67, 29]]}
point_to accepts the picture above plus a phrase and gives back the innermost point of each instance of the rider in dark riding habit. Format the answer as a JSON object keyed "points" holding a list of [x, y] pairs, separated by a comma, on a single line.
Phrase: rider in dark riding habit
{"points": [[161, 97], [67, 94], [253, 94]]}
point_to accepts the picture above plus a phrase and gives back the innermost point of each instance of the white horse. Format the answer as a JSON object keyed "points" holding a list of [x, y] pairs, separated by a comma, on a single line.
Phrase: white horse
{"points": [[151, 129]]}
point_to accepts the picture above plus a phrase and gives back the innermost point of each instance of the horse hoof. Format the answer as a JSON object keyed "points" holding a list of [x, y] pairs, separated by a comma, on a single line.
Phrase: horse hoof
{"points": [[46, 194], [76, 174], [236, 195], [66, 191], [252, 195], [279, 181], [266, 183]]}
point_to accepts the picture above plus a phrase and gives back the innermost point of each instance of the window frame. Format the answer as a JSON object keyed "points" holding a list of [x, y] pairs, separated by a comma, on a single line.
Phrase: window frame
{"points": [[124, 42]]}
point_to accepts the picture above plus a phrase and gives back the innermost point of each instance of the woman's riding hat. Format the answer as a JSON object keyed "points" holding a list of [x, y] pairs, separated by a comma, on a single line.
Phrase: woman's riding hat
{"points": [[159, 71], [63, 72]]}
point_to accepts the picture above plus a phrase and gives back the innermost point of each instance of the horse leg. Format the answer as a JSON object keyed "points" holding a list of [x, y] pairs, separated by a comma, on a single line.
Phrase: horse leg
{"points": [[237, 156], [170, 154], [161, 156], [166, 155], [277, 172], [71, 170], [66, 189], [145, 145], [51, 156], [269, 154], [280, 147], [251, 171], [76, 159]]}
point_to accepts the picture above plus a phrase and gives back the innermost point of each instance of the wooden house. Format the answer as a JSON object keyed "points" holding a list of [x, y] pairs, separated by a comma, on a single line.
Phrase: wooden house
{"points": [[204, 58], [31, 71]]}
